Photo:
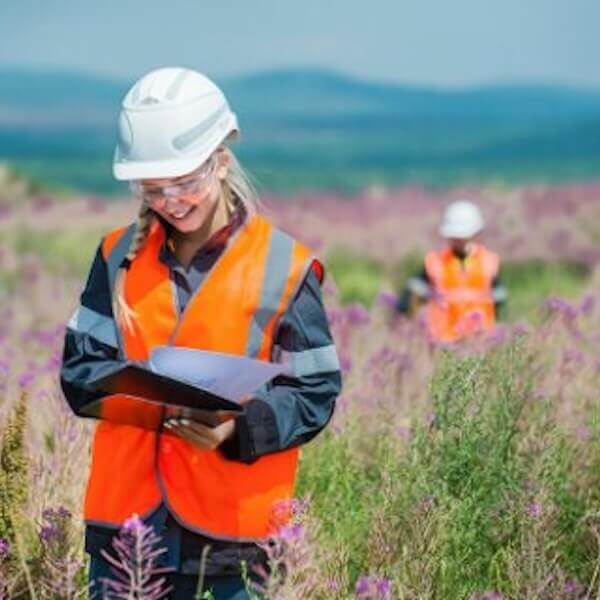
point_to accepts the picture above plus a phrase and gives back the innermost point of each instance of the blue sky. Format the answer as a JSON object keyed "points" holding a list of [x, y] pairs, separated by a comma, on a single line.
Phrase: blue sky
{"points": [[432, 42]]}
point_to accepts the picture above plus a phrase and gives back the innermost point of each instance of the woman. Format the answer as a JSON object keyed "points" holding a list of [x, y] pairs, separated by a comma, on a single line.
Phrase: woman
{"points": [[200, 268]]}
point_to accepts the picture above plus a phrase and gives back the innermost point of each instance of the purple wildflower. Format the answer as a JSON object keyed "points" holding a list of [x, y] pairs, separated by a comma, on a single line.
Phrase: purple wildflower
{"points": [[371, 587], [574, 357], [292, 533], [135, 569], [520, 329], [4, 367], [498, 336], [387, 299], [294, 507], [345, 363], [54, 525], [535, 510], [54, 361], [26, 379], [587, 305], [357, 314], [583, 432], [4, 548], [134, 525], [573, 588], [560, 306]]}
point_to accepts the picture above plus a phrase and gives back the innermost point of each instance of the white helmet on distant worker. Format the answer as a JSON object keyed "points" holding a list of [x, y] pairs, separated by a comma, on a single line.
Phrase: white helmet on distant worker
{"points": [[462, 220], [171, 121]]}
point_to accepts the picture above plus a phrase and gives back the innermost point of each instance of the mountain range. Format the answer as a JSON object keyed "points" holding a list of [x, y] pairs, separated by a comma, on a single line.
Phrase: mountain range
{"points": [[319, 128]]}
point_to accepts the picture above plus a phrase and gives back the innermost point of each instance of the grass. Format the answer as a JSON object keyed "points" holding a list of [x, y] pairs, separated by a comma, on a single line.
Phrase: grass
{"points": [[484, 497], [67, 252]]}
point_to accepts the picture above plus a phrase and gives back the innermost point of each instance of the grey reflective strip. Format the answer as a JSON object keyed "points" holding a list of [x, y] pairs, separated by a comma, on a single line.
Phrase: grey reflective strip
{"points": [[418, 287], [187, 138], [100, 327], [499, 294], [276, 275], [117, 254], [177, 83], [311, 361], [113, 262]]}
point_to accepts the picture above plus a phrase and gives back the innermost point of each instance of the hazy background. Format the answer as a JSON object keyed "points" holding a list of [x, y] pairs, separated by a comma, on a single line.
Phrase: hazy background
{"points": [[330, 95]]}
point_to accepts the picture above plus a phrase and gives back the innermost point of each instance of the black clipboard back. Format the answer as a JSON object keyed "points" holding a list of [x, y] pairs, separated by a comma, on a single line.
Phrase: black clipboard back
{"points": [[143, 398]]}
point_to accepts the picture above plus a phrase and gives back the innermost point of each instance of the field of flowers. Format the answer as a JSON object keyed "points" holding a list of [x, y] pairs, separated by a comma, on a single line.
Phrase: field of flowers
{"points": [[469, 472]]}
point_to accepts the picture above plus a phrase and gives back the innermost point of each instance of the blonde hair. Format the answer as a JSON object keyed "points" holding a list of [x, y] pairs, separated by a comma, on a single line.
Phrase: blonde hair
{"points": [[235, 188]]}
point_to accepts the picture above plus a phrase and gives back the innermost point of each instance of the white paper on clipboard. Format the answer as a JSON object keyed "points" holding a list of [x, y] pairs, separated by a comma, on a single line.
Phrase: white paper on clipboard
{"points": [[227, 375]]}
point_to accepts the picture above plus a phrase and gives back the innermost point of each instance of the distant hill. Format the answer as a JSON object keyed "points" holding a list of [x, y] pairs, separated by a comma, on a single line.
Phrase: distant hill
{"points": [[320, 128]]}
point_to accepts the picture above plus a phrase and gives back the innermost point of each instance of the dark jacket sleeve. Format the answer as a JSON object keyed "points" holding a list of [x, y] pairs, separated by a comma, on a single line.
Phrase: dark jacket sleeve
{"points": [[91, 348], [293, 409], [500, 295], [419, 287]]}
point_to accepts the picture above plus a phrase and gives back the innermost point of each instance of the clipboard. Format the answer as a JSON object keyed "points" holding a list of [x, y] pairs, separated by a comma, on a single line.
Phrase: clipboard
{"points": [[143, 398]]}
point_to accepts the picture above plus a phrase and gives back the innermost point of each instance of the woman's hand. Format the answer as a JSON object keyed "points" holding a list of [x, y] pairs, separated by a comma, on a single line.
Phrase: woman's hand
{"points": [[202, 436]]}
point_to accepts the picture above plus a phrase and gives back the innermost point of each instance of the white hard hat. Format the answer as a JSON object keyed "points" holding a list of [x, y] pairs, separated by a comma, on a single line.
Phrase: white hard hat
{"points": [[462, 220], [171, 121]]}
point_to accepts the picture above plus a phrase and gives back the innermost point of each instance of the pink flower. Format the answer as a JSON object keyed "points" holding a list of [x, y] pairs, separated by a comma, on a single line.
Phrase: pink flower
{"points": [[370, 587], [562, 307], [573, 588], [534, 510], [357, 314], [133, 525], [26, 379], [587, 305], [387, 299], [583, 432]]}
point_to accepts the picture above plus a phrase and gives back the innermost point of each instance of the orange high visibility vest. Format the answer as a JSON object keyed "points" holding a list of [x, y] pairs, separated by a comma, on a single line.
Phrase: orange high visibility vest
{"points": [[236, 310], [462, 302]]}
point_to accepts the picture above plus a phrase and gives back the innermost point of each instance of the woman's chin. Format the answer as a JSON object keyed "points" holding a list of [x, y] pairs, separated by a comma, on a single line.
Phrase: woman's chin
{"points": [[191, 222]]}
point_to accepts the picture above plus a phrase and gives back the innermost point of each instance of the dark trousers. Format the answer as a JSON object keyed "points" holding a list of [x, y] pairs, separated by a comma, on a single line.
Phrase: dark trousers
{"points": [[184, 587]]}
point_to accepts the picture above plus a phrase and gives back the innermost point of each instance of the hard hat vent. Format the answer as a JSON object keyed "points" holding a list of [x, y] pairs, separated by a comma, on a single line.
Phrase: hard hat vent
{"points": [[150, 100]]}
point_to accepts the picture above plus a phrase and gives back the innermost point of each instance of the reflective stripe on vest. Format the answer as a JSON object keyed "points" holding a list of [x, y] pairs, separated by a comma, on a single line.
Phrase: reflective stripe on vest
{"points": [[235, 310], [88, 321], [461, 303]]}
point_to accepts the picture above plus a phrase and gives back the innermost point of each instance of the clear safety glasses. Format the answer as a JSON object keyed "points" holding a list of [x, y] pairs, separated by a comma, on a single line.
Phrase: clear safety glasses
{"points": [[189, 185]]}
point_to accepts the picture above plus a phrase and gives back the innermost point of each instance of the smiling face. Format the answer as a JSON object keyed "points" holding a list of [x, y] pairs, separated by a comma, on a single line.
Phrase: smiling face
{"points": [[187, 202]]}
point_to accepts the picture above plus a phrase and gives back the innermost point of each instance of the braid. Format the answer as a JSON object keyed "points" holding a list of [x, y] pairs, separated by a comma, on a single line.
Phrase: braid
{"points": [[228, 197], [124, 314]]}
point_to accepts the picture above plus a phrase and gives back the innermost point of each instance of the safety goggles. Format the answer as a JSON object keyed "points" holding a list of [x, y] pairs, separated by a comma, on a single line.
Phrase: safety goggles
{"points": [[192, 184]]}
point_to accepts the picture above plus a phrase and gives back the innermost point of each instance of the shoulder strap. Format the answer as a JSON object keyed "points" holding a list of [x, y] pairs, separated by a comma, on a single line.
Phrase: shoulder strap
{"points": [[117, 252]]}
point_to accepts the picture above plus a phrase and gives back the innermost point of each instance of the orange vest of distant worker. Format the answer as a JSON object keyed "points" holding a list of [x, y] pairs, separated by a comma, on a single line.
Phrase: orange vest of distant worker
{"points": [[236, 310], [461, 303]]}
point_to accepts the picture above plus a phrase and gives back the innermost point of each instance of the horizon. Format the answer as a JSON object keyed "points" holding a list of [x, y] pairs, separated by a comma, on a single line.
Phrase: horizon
{"points": [[42, 69]]}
